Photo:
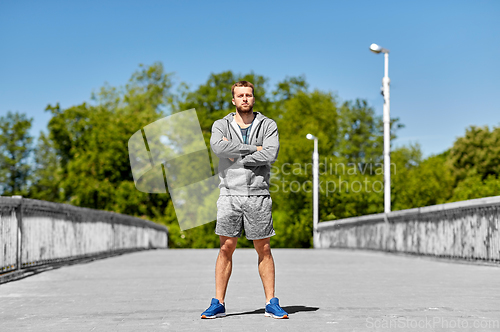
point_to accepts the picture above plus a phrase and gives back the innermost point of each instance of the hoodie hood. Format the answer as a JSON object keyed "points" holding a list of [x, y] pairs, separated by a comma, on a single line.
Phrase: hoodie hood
{"points": [[259, 117]]}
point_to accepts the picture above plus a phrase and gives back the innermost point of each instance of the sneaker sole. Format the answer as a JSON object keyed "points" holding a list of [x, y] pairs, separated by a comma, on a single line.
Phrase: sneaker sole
{"points": [[268, 314], [212, 317]]}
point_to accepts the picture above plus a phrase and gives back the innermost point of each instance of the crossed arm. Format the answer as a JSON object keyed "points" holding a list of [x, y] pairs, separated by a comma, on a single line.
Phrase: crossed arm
{"points": [[251, 155], [232, 159], [224, 148]]}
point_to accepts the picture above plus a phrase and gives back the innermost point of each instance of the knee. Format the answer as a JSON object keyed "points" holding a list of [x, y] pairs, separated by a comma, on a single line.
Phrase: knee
{"points": [[265, 252], [227, 250]]}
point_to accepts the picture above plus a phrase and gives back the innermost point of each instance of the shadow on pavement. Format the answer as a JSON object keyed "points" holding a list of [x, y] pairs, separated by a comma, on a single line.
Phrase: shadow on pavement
{"points": [[292, 309]]}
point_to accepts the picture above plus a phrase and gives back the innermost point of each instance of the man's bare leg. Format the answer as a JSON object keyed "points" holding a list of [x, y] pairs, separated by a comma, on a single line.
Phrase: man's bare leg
{"points": [[224, 266], [266, 266]]}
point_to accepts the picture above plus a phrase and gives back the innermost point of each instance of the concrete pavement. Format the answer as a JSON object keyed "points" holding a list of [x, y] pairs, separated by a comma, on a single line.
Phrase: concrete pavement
{"points": [[323, 290]]}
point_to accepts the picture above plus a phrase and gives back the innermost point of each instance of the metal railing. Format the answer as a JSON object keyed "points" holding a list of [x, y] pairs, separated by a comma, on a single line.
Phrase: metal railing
{"points": [[36, 233], [465, 230]]}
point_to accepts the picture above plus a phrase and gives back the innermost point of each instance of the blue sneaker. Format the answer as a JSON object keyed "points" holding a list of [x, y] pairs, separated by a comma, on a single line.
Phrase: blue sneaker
{"points": [[215, 310], [274, 310]]}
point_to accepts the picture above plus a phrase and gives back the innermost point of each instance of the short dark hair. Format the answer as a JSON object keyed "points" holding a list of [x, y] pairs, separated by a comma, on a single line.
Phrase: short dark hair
{"points": [[241, 84]]}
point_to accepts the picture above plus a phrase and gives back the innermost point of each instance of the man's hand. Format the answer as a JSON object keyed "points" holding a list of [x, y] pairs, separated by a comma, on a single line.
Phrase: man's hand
{"points": [[225, 139], [259, 148]]}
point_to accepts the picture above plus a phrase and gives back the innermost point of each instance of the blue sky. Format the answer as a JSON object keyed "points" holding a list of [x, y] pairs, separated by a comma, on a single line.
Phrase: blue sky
{"points": [[444, 60]]}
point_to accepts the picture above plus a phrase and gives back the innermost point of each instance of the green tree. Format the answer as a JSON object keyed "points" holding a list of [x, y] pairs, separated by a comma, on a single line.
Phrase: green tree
{"points": [[417, 182], [87, 149], [474, 186], [361, 135], [306, 112], [477, 153], [46, 175], [290, 87], [15, 151], [350, 151], [476, 163], [212, 100], [91, 140], [89, 144]]}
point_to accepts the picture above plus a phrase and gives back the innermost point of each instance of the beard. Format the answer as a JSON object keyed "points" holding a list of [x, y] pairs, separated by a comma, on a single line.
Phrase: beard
{"points": [[245, 109]]}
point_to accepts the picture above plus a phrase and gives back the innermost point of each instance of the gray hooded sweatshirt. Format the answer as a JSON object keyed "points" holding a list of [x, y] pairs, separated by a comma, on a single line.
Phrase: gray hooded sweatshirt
{"points": [[249, 173]]}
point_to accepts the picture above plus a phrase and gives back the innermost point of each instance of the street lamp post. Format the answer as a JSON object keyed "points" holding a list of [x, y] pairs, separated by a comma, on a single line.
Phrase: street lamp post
{"points": [[315, 190], [387, 126]]}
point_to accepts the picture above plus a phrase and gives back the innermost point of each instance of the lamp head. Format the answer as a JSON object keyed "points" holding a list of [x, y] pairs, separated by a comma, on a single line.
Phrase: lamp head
{"points": [[375, 48], [310, 136], [378, 49]]}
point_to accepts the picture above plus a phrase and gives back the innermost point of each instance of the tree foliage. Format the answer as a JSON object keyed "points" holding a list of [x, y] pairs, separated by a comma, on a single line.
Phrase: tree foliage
{"points": [[46, 176], [15, 150], [476, 163], [478, 153], [83, 159]]}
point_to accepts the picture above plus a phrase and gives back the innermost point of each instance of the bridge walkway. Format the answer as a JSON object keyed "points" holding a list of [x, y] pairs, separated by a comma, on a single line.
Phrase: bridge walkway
{"points": [[323, 290]]}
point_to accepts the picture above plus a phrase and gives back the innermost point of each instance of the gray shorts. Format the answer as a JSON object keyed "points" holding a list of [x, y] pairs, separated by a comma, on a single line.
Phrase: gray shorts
{"points": [[251, 212]]}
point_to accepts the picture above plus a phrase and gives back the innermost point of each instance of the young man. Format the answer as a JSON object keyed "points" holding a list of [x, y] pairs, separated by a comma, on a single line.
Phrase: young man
{"points": [[246, 143]]}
